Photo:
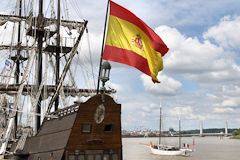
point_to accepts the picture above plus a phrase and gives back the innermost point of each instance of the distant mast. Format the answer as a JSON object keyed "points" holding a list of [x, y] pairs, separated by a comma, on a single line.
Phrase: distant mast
{"points": [[179, 141], [160, 126]]}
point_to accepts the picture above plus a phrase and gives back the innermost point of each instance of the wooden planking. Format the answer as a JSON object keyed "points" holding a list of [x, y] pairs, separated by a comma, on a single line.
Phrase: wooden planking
{"points": [[97, 139]]}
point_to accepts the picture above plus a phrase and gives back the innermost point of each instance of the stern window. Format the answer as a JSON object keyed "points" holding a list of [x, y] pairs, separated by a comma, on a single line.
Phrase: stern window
{"points": [[108, 127], [98, 157], [86, 128], [80, 157], [114, 157], [71, 157], [105, 157], [90, 157]]}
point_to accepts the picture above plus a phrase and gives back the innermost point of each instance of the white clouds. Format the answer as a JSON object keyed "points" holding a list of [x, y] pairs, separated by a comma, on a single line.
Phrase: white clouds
{"points": [[226, 33], [228, 97], [202, 62], [185, 112], [181, 111], [229, 102], [188, 55], [231, 90], [214, 77], [150, 108], [223, 110], [114, 86], [211, 96], [167, 86]]}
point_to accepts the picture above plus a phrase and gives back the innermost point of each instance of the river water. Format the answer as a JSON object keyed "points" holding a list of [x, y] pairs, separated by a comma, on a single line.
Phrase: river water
{"points": [[206, 148]]}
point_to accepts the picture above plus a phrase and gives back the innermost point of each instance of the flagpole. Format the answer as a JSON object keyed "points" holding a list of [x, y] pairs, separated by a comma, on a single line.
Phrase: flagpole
{"points": [[104, 32]]}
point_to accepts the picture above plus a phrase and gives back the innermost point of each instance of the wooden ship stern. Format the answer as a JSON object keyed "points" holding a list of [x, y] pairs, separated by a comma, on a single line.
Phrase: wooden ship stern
{"points": [[83, 131]]}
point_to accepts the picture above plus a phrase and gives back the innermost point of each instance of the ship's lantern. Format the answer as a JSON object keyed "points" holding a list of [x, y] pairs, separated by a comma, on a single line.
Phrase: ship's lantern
{"points": [[105, 72]]}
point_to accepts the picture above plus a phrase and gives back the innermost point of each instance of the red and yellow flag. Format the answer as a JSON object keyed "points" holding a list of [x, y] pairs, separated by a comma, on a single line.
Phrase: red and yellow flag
{"points": [[130, 41]]}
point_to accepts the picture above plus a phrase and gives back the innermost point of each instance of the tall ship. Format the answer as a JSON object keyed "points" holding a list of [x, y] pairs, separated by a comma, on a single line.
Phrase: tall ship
{"points": [[45, 113]]}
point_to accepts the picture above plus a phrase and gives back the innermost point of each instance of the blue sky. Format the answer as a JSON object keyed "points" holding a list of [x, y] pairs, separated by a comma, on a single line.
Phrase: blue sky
{"points": [[200, 80]]}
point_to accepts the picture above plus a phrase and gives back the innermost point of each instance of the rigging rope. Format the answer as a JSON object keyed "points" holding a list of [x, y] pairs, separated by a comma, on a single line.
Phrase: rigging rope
{"points": [[76, 9], [67, 10], [74, 50], [53, 14], [11, 122], [90, 53]]}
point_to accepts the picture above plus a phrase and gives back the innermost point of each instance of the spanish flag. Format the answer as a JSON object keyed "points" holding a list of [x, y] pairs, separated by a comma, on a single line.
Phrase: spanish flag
{"points": [[130, 41]]}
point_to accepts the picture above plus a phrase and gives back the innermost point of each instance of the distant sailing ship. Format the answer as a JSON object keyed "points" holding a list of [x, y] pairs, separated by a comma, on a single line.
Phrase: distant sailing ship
{"points": [[88, 129], [167, 150]]}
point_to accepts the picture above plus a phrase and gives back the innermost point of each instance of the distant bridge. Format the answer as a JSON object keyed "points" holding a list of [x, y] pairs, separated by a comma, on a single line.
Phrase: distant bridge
{"points": [[207, 134], [201, 134]]}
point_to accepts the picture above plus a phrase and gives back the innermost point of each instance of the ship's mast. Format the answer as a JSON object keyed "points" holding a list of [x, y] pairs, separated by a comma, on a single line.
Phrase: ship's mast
{"points": [[58, 52], [17, 72], [179, 135], [19, 44], [160, 126], [40, 26]]}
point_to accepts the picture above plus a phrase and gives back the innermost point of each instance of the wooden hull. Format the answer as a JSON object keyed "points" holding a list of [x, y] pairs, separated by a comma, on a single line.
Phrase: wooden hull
{"points": [[80, 131]]}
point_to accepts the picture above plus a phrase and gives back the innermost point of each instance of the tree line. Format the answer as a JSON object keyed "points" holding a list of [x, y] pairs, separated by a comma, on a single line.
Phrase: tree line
{"points": [[236, 132]]}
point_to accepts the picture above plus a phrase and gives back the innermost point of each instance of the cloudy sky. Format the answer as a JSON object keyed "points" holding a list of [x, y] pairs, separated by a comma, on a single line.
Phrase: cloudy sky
{"points": [[200, 80]]}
